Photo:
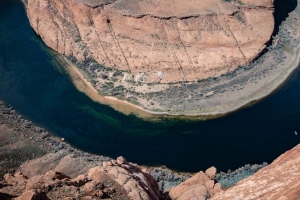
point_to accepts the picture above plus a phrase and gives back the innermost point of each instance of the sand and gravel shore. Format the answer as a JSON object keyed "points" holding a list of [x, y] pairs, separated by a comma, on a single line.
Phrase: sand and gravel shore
{"points": [[264, 88]]}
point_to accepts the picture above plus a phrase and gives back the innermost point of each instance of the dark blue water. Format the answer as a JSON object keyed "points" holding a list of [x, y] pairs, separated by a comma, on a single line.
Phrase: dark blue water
{"points": [[37, 87]]}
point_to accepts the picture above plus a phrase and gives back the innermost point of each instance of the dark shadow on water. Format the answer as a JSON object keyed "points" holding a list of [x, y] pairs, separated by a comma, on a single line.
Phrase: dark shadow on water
{"points": [[282, 10]]}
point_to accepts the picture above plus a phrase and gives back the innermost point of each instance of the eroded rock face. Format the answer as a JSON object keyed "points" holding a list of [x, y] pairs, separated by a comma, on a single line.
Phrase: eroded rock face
{"points": [[279, 180], [199, 187], [137, 182], [156, 41], [114, 180]]}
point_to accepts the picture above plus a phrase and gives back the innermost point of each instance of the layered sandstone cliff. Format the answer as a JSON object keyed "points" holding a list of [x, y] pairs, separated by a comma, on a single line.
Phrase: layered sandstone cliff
{"points": [[160, 55], [156, 41]]}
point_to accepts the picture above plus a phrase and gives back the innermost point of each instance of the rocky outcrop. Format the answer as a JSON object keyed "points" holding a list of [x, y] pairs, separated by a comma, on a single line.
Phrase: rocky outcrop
{"points": [[167, 178], [199, 187], [116, 179], [48, 167], [279, 180], [156, 41], [55, 185], [67, 172], [33, 152], [137, 182], [230, 178]]}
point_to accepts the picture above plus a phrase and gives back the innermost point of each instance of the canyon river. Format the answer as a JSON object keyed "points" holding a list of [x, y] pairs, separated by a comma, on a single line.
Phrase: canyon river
{"points": [[34, 83]]}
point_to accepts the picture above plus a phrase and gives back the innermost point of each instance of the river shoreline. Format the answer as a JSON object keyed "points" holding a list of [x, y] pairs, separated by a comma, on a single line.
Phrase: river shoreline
{"points": [[127, 108], [201, 100], [204, 99], [41, 152], [83, 85], [39, 142], [210, 98], [32, 150]]}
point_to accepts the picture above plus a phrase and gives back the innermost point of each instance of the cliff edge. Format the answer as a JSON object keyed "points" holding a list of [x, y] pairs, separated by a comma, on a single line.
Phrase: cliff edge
{"points": [[277, 181]]}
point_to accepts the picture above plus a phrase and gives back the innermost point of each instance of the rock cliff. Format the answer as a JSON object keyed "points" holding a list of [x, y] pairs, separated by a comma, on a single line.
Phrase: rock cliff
{"points": [[277, 181], [156, 41], [161, 56]]}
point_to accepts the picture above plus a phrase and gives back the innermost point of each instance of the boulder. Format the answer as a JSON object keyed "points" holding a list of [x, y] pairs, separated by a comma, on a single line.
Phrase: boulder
{"points": [[211, 172], [198, 186]]}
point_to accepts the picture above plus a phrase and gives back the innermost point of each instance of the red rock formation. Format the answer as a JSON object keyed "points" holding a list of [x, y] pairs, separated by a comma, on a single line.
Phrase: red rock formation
{"points": [[116, 179], [165, 41], [197, 187], [277, 181]]}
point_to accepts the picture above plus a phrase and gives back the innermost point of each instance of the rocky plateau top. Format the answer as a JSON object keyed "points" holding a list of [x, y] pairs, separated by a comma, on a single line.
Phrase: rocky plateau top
{"points": [[156, 41]]}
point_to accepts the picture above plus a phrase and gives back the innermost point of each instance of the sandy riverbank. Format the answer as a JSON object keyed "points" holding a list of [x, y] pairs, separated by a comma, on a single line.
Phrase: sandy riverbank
{"points": [[262, 89], [84, 86], [122, 106], [213, 97], [127, 108], [209, 98]]}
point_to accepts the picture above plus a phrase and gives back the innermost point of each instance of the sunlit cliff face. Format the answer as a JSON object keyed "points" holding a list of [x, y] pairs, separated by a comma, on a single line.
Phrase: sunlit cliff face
{"points": [[156, 41]]}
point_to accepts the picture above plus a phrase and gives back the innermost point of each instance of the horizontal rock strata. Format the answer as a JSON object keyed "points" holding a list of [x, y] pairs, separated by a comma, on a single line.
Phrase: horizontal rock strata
{"points": [[156, 41], [164, 56]]}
